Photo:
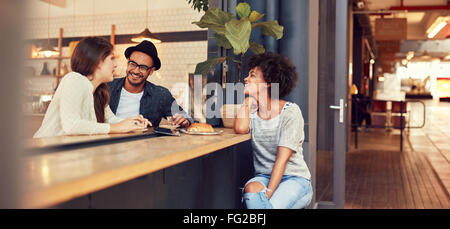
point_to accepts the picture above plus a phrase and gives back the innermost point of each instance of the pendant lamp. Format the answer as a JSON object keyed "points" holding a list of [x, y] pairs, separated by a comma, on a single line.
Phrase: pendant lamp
{"points": [[146, 34], [48, 50]]}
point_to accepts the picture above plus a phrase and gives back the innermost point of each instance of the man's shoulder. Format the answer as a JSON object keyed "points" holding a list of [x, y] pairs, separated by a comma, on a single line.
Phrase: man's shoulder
{"points": [[158, 89]]}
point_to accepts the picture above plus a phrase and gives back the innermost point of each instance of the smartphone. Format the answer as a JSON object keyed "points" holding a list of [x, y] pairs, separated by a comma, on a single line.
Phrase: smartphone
{"points": [[166, 131]]}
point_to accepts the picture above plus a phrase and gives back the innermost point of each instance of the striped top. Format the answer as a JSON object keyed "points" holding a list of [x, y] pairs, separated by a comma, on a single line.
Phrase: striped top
{"points": [[284, 130]]}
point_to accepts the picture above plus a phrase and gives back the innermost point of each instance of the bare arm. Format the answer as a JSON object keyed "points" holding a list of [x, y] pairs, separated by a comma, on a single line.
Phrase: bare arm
{"points": [[129, 124], [242, 120], [291, 137], [279, 167]]}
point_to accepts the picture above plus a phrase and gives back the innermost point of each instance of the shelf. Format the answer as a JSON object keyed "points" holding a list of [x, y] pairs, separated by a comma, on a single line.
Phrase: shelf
{"points": [[45, 76], [48, 58], [34, 114], [39, 94]]}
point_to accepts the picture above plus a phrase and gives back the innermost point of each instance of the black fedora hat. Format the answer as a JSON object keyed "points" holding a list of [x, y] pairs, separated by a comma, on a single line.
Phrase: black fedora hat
{"points": [[148, 48]]}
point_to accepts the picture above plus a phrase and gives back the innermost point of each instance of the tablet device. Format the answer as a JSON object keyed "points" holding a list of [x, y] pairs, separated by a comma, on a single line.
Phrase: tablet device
{"points": [[166, 131]]}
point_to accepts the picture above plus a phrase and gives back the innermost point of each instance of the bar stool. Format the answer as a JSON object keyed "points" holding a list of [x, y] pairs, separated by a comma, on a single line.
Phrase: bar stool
{"points": [[378, 114]]}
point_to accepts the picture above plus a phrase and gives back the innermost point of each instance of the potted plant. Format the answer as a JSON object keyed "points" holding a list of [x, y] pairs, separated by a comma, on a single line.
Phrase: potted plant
{"points": [[233, 32]]}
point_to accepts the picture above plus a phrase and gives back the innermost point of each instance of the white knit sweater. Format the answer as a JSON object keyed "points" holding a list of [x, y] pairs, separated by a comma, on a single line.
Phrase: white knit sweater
{"points": [[71, 111]]}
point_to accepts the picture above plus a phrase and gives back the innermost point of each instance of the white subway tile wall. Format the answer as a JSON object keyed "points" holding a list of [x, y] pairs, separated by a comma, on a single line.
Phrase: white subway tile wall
{"points": [[159, 21]]}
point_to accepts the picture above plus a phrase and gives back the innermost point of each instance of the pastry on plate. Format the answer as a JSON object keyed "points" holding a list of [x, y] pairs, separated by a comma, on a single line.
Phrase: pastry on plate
{"points": [[200, 127]]}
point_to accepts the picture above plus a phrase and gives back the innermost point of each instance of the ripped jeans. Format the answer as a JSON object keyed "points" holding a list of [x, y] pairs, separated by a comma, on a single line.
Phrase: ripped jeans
{"points": [[293, 192]]}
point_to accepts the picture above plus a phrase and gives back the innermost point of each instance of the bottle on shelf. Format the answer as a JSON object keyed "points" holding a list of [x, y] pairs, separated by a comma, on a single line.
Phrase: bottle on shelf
{"points": [[45, 70]]}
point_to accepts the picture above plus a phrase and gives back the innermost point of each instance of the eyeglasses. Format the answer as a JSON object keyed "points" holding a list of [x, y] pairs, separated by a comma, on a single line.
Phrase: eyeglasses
{"points": [[142, 68]]}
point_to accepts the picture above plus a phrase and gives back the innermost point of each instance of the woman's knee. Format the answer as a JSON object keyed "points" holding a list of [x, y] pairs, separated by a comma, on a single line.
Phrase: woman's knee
{"points": [[254, 187]]}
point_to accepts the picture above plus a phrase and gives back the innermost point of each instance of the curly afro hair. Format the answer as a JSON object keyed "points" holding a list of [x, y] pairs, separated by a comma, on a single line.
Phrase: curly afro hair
{"points": [[276, 68]]}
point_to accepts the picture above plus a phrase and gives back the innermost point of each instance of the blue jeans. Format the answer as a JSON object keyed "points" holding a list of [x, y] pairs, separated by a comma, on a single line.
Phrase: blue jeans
{"points": [[293, 192]]}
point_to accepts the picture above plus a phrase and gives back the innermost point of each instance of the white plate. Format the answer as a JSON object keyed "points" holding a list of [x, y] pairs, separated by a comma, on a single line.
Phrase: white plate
{"points": [[216, 132]]}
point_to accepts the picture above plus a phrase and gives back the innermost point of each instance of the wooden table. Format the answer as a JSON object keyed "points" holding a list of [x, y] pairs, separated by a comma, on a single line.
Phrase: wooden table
{"points": [[56, 177]]}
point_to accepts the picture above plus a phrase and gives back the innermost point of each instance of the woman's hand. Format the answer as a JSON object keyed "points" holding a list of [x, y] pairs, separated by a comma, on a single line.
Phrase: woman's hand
{"points": [[144, 121], [269, 193], [252, 103], [242, 119], [130, 124]]}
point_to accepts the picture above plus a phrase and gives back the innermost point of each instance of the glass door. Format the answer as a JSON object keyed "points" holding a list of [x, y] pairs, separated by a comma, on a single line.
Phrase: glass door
{"points": [[331, 104]]}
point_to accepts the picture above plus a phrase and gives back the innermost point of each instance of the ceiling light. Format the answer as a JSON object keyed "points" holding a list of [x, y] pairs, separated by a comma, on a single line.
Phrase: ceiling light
{"points": [[146, 34], [436, 27], [48, 50]]}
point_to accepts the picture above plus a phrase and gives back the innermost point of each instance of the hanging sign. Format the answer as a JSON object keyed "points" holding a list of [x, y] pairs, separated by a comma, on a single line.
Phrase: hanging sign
{"points": [[390, 29]]}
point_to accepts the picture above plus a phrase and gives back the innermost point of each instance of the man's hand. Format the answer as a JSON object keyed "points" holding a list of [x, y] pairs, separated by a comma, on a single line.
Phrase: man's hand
{"points": [[180, 120]]}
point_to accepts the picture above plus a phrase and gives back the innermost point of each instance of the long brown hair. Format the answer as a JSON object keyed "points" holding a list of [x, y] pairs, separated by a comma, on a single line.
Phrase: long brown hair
{"points": [[87, 55]]}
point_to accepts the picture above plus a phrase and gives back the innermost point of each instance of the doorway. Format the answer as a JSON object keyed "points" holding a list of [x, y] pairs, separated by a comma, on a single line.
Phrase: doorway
{"points": [[332, 104]]}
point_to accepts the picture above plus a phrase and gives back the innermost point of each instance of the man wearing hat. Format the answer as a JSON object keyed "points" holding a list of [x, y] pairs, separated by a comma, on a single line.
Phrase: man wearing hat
{"points": [[133, 95]]}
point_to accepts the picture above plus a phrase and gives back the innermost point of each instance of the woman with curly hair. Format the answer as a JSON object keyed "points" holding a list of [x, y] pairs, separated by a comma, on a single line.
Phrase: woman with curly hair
{"points": [[282, 178]]}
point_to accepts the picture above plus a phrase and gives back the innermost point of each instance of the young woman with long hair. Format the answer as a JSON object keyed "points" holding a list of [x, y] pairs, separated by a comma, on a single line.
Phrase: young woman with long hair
{"points": [[80, 104]]}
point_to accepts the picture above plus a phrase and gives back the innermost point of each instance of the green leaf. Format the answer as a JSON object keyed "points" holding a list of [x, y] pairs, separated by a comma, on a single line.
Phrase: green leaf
{"points": [[243, 10], [257, 48], [214, 19], [222, 41], [205, 67], [234, 60], [270, 28], [238, 34], [255, 16]]}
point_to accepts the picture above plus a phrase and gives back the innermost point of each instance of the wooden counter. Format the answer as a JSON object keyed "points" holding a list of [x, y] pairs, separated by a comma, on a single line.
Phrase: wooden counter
{"points": [[56, 177]]}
